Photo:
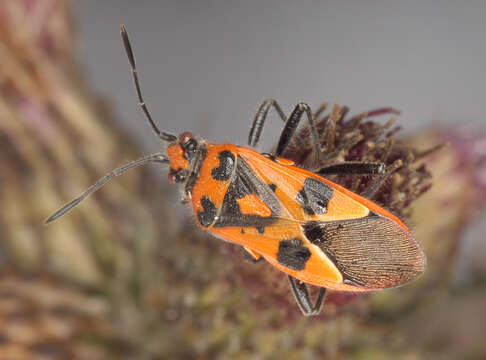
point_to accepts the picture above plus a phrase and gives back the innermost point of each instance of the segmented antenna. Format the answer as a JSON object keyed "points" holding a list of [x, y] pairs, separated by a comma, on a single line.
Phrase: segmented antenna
{"points": [[131, 59], [158, 157]]}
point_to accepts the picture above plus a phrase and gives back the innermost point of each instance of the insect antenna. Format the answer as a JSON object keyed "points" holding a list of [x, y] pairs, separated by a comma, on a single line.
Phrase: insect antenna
{"points": [[131, 59], [158, 157]]}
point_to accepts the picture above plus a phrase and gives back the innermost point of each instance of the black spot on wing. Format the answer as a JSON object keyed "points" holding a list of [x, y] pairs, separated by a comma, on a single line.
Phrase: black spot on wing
{"points": [[292, 254], [314, 232], [206, 217], [245, 183], [260, 229], [273, 187], [314, 196], [239, 188], [226, 164], [231, 209]]}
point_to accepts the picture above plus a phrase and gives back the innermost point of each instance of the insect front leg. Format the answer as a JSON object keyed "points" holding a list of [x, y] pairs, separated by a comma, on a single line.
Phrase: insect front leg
{"points": [[303, 299]]}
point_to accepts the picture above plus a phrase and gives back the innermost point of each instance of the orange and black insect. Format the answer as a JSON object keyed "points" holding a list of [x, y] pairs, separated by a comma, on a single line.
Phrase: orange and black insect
{"points": [[315, 231]]}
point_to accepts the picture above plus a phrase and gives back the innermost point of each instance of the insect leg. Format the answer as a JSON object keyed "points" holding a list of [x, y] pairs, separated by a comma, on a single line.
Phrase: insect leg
{"points": [[377, 184], [291, 125], [353, 167], [252, 256], [260, 117], [303, 299]]}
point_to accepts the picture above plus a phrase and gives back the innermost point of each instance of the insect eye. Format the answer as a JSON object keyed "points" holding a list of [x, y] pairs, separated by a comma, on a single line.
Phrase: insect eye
{"points": [[190, 145], [185, 137], [187, 143], [177, 176]]}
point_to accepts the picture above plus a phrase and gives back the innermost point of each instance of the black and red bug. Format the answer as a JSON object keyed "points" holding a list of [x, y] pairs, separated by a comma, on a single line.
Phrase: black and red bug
{"points": [[312, 229]]}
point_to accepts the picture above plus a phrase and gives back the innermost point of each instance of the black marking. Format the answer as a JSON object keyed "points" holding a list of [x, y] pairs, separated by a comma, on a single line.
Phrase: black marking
{"points": [[273, 187], [314, 196], [196, 168], [314, 231], [238, 189], [206, 217], [226, 165], [292, 254], [242, 230], [243, 184]]}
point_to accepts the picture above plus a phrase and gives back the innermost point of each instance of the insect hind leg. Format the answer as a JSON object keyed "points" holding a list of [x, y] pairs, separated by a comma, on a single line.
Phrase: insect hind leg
{"points": [[353, 167], [378, 183], [302, 297]]}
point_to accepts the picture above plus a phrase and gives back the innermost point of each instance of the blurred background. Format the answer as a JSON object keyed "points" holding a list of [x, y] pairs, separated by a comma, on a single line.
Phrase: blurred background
{"points": [[213, 62], [112, 281]]}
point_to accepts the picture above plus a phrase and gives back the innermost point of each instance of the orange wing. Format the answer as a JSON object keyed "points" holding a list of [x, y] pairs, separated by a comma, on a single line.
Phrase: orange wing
{"points": [[313, 229], [343, 204]]}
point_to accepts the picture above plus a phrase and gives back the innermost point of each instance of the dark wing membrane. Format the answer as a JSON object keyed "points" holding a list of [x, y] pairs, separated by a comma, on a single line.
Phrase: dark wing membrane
{"points": [[373, 252]]}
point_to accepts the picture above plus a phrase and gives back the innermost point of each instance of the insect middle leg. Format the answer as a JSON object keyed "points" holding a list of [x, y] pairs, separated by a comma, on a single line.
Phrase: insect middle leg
{"points": [[291, 125], [303, 299], [251, 256]]}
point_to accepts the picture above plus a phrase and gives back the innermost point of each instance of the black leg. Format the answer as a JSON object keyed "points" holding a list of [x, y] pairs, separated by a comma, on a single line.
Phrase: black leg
{"points": [[378, 183], [259, 120], [303, 299], [291, 125], [353, 167]]}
